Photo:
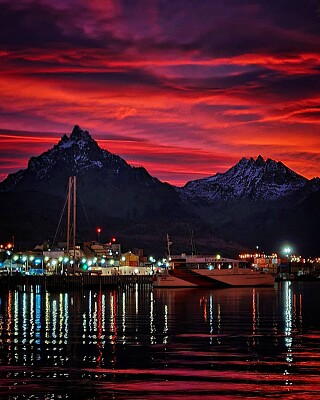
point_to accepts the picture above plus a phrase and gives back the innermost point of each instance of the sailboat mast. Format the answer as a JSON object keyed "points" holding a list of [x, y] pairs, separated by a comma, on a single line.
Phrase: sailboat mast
{"points": [[74, 215]]}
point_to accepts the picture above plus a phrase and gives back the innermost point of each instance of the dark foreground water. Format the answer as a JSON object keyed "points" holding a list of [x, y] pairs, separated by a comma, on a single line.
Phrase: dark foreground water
{"points": [[162, 343]]}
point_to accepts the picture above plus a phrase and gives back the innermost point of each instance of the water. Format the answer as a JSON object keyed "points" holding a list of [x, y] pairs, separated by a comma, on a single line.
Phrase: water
{"points": [[161, 344]]}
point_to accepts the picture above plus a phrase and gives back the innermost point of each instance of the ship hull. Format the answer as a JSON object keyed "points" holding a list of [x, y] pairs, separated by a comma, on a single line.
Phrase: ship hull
{"points": [[243, 278], [200, 278], [168, 281]]}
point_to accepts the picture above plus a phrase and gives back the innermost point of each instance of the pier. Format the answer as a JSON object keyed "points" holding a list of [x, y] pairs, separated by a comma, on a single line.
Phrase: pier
{"points": [[66, 282]]}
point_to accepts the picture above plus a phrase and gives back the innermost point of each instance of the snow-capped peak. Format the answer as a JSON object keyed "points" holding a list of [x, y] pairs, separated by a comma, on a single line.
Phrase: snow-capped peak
{"points": [[249, 178], [78, 137]]}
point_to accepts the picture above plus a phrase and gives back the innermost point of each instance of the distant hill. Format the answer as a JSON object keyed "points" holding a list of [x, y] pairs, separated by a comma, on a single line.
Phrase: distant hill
{"points": [[255, 203]]}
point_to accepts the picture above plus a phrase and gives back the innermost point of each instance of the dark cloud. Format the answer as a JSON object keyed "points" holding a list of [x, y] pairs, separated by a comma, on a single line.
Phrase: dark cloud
{"points": [[31, 24], [237, 38], [285, 88], [40, 24], [228, 75]]}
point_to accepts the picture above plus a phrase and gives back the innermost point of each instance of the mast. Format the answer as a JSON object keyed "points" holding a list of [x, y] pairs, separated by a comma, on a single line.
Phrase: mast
{"points": [[168, 246], [72, 214]]}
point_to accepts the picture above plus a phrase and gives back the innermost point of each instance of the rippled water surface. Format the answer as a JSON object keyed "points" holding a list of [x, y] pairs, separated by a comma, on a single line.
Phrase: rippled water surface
{"points": [[161, 343]]}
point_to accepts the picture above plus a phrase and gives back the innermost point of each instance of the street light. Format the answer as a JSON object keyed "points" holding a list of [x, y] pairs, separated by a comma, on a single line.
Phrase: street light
{"points": [[287, 251], [9, 253]]}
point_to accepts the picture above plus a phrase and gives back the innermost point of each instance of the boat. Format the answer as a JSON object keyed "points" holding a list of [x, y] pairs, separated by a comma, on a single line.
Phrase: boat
{"points": [[210, 271]]}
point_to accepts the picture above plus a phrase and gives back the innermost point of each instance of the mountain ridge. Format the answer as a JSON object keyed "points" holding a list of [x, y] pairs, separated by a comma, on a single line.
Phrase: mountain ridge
{"points": [[248, 179], [252, 201]]}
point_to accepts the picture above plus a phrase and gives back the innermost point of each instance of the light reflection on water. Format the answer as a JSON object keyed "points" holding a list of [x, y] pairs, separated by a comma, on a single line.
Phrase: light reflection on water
{"points": [[171, 343]]}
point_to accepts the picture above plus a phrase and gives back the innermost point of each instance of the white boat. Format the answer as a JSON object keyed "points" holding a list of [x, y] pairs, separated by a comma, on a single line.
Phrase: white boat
{"points": [[210, 271]]}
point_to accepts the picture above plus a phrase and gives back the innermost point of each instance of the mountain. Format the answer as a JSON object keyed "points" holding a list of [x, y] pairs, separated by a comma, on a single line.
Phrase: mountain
{"points": [[256, 202], [249, 179], [105, 180], [125, 201], [259, 203]]}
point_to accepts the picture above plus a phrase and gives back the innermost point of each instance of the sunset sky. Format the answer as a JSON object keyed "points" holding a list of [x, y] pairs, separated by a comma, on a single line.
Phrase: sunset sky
{"points": [[183, 88]]}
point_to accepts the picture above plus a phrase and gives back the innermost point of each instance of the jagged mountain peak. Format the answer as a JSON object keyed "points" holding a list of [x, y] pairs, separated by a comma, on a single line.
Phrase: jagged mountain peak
{"points": [[72, 155], [79, 155], [259, 161], [250, 178], [79, 137], [79, 134]]}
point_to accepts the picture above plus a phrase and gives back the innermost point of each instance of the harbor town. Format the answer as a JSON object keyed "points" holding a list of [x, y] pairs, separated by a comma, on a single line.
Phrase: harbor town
{"points": [[93, 263]]}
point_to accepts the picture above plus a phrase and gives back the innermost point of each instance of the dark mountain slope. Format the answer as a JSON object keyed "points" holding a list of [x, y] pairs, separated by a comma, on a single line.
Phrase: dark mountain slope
{"points": [[125, 201]]}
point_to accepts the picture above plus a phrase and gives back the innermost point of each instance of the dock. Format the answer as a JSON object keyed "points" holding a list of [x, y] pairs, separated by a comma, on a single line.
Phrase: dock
{"points": [[72, 282]]}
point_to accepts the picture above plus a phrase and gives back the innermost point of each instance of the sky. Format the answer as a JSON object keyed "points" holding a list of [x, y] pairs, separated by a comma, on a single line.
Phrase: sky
{"points": [[182, 88]]}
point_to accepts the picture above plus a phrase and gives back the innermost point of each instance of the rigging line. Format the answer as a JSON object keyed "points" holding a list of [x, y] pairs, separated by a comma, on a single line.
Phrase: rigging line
{"points": [[59, 223], [91, 230]]}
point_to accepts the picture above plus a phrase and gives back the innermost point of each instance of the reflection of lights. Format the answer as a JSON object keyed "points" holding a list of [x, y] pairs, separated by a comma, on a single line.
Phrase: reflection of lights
{"points": [[60, 317], [38, 319], [31, 317], [54, 321], [123, 314], [254, 314], [137, 300], [89, 312], [288, 322], [47, 315], [24, 318], [66, 317], [165, 328], [152, 327], [211, 314]]}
